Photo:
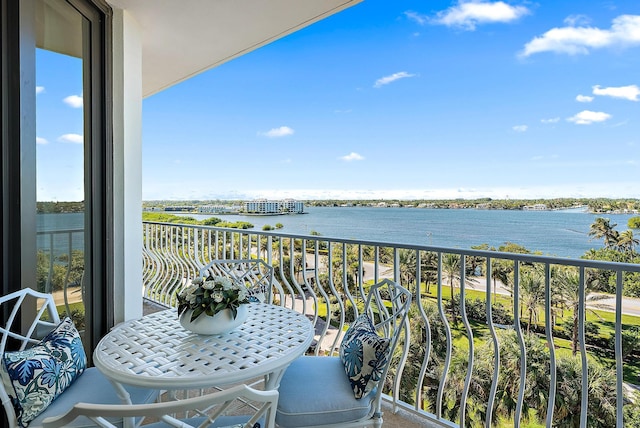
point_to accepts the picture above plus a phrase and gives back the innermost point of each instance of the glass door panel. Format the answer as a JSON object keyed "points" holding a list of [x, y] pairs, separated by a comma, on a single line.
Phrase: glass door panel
{"points": [[60, 157]]}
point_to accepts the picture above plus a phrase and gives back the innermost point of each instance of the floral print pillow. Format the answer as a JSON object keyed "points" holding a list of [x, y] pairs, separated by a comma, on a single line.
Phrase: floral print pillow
{"points": [[41, 373], [364, 355]]}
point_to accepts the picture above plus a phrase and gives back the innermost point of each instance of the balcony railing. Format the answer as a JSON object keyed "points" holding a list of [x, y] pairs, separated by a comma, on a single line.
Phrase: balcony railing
{"points": [[61, 264], [476, 353]]}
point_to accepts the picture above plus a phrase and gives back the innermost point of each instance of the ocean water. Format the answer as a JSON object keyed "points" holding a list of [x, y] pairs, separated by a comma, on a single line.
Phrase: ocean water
{"points": [[557, 233], [59, 242]]}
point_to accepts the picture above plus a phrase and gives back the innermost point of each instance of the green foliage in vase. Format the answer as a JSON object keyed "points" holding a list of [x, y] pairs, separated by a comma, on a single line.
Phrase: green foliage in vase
{"points": [[212, 295]]}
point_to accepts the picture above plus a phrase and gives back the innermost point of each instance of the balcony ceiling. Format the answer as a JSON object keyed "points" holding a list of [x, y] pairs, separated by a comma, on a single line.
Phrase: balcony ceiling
{"points": [[182, 38]]}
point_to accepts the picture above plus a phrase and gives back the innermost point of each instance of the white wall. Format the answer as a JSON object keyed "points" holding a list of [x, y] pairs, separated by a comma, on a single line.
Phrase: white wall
{"points": [[127, 142]]}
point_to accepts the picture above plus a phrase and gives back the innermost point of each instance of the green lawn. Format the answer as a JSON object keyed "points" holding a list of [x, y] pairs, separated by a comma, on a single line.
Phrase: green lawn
{"points": [[604, 320]]}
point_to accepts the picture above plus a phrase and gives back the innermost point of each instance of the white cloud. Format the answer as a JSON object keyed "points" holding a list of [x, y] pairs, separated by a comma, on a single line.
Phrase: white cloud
{"points": [[520, 128], [584, 98], [414, 16], [74, 101], [469, 14], [353, 156], [630, 92], [392, 78], [283, 131], [577, 20], [587, 117], [624, 31], [568, 190], [551, 120], [39, 89], [71, 138], [40, 140]]}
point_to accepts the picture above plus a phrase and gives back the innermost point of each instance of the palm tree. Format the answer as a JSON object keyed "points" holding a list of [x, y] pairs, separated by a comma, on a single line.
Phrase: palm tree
{"points": [[627, 242], [354, 264], [500, 271], [451, 269], [568, 282], [428, 268], [264, 246], [532, 287], [408, 265], [603, 229]]}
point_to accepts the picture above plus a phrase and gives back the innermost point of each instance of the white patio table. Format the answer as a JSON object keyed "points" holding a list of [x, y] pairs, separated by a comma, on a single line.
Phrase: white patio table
{"points": [[155, 351]]}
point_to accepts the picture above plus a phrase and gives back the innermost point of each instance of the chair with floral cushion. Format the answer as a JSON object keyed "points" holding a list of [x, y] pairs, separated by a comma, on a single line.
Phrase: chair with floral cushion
{"points": [[346, 390], [237, 407], [44, 367]]}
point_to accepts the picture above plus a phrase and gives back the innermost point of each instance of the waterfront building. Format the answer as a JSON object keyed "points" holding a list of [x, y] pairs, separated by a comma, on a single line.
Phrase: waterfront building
{"points": [[292, 206], [535, 207], [263, 206], [180, 208], [218, 209]]}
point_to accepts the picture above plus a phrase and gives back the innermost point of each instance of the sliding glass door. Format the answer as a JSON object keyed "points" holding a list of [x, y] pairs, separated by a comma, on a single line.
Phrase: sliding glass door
{"points": [[61, 164]]}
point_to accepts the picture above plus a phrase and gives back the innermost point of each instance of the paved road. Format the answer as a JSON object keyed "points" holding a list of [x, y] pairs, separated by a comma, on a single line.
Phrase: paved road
{"points": [[605, 302]]}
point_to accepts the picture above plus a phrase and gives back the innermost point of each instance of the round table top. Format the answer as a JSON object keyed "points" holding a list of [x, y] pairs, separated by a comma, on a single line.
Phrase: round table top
{"points": [[156, 352]]}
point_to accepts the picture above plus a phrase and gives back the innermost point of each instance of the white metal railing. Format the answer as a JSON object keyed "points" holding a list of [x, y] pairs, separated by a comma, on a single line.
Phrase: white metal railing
{"points": [[450, 376], [63, 261]]}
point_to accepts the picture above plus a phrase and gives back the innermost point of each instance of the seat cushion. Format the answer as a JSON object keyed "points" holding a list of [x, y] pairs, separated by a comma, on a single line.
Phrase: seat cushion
{"points": [[91, 387], [315, 391], [364, 355]]}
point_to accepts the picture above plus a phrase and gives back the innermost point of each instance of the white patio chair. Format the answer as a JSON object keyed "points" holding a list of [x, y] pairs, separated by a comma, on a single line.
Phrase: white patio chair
{"points": [[208, 411], [91, 385], [254, 273], [316, 391]]}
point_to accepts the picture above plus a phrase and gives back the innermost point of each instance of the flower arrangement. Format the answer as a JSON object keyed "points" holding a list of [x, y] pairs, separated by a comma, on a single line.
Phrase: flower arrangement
{"points": [[212, 295]]}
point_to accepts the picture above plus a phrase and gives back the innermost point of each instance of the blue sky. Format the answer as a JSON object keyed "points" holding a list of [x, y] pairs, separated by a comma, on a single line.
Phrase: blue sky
{"points": [[410, 100]]}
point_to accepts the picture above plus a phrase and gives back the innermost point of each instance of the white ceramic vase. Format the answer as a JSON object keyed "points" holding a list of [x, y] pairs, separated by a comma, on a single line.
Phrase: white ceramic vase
{"points": [[220, 323]]}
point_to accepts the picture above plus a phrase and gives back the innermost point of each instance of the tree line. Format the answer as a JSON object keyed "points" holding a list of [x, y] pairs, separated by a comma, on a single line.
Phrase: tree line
{"points": [[596, 205]]}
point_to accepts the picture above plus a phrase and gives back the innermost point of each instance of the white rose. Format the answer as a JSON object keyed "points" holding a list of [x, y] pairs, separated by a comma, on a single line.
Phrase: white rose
{"points": [[209, 285], [226, 283], [191, 298], [217, 296]]}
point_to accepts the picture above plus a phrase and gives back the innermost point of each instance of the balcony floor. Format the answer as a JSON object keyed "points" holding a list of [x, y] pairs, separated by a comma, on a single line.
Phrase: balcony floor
{"points": [[402, 419]]}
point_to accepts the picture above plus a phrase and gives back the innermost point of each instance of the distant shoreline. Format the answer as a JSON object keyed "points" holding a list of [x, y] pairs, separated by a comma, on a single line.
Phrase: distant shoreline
{"points": [[591, 206], [599, 206]]}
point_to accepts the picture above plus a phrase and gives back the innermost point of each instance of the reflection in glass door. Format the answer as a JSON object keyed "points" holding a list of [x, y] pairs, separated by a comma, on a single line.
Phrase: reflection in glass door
{"points": [[60, 157]]}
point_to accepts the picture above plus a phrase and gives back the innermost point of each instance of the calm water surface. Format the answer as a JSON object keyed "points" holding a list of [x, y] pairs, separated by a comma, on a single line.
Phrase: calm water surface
{"points": [[558, 233]]}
